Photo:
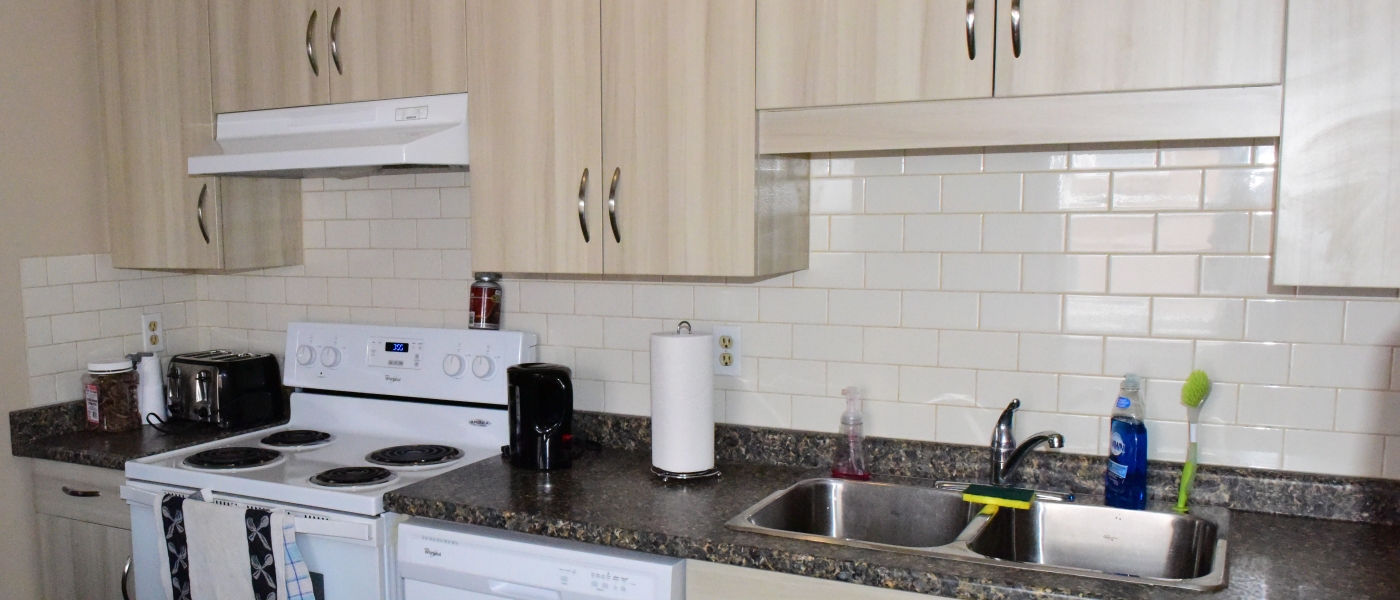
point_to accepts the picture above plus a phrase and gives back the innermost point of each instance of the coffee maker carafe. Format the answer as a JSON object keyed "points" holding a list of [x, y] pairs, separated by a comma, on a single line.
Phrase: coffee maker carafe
{"points": [[541, 416]]}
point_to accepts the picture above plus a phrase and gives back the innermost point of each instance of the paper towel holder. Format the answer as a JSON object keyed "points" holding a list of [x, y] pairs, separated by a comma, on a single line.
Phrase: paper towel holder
{"points": [[669, 475]]}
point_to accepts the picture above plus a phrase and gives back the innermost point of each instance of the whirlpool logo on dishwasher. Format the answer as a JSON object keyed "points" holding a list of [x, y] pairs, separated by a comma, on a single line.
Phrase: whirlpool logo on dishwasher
{"points": [[392, 379]]}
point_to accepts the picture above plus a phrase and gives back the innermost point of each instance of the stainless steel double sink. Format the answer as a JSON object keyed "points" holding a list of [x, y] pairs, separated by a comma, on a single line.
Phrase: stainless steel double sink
{"points": [[1156, 547]]}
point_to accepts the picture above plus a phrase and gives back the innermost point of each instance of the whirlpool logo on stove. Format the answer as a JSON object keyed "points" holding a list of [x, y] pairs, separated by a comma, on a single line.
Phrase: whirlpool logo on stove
{"points": [[392, 379]]}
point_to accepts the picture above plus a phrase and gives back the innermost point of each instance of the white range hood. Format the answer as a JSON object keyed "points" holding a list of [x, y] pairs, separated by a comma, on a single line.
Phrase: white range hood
{"points": [[407, 135]]}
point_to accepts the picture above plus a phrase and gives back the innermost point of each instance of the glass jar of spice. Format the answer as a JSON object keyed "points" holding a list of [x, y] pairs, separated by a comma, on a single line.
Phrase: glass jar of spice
{"points": [[109, 392], [486, 301]]}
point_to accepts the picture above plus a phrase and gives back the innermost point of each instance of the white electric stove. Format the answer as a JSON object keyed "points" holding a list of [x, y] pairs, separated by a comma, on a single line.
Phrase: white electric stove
{"points": [[372, 409]]}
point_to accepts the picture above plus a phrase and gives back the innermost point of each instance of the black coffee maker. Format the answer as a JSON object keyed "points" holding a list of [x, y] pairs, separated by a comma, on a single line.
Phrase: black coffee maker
{"points": [[541, 416]]}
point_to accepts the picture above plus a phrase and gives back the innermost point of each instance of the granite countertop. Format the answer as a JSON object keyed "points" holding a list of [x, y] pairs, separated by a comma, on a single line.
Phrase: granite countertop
{"points": [[57, 433], [611, 498]]}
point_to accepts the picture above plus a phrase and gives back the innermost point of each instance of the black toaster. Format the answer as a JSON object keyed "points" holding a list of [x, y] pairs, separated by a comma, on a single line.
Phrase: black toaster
{"points": [[230, 389]]}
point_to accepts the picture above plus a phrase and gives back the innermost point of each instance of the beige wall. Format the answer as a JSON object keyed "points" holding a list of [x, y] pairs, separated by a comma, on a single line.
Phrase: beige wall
{"points": [[50, 203]]}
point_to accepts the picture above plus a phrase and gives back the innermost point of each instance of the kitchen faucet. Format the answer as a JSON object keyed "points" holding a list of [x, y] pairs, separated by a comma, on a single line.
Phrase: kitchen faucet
{"points": [[1006, 455]]}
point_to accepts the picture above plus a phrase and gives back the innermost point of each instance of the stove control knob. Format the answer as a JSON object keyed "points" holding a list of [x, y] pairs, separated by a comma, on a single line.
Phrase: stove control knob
{"points": [[483, 367], [330, 357], [306, 355], [454, 365]]}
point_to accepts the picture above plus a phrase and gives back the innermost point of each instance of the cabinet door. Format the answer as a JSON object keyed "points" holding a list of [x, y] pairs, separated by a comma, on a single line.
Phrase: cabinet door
{"points": [[269, 54], [156, 105], [1339, 160], [534, 128], [831, 52], [1073, 46], [81, 560], [383, 49], [679, 133]]}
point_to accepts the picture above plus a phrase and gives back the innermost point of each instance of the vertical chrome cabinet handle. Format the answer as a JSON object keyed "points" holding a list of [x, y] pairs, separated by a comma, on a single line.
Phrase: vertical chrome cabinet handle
{"points": [[311, 44], [971, 34], [335, 45], [612, 205], [126, 577], [1016, 28], [583, 206], [199, 212]]}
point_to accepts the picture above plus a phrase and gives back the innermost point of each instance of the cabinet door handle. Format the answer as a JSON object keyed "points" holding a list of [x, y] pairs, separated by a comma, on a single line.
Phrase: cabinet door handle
{"points": [[199, 212], [126, 577], [81, 493], [335, 46], [612, 205], [1016, 28], [971, 33], [311, 44], [583, 205]]}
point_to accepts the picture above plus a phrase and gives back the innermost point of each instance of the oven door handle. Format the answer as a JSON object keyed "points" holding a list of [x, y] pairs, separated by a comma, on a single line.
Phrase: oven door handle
{"points": [[303, 524]]}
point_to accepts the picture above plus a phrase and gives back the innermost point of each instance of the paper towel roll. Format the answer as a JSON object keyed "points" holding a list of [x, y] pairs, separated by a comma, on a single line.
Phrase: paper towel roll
{"points": [[682, 402], [150, 388]]}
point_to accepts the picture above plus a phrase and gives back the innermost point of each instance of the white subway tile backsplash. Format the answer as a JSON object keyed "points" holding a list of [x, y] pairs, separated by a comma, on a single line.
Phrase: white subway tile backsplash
{"points": [[104, 295], [758, 410], [1036, 391], [1148, 357], [1064, 273], [1198, 318], [385, 182], [416, 203], [1054, 192], [1250, 447], [867, 233], [347, 234], [370, 263], [38, 331], [965, 424], [1293, 320], [372, 204], [1216, 233], [792, 376], [942, 233], [321, 206], [790, 305], [866, 163], [1366, 411], [549, 297], [1111, 233], [603, 365], [1284, 406], [575, 330], [443, 233], [908, 194], [444, 295], [627, 398], [714, 303], [663, 301], [1112, 315], [1077, 354], [81, 268], [837, 196], [982, 193], [326, 263], [1020, 312], [1332, 452], [817, 413], [940, 310], [1239, 189], [1327, 365], [1372, 323], [1016, 160], [900, 420], [1246, 276], [44, 301], [1094, 396], [768, 340], [827, 342], [928, 385], [1163, 398], [1081, 433], [832, 270], [937, 162], [863, 307], [876, 382], [75, 327], [1109, 158], [977, 350], [1243, 362], [982, 272], [900, 346], [902, 270], [1157, 190], [1203, 154], [1023, 233], [33, 272], [1152, 274], [819, 235]]}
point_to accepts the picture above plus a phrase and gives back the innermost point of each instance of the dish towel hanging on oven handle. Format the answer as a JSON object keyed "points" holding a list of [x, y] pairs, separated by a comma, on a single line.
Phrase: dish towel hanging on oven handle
{"points": [[214, 551]]}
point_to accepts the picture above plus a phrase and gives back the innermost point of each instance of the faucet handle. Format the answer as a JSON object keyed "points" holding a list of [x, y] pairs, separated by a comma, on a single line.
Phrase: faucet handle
{"points": [[1002, 438]]}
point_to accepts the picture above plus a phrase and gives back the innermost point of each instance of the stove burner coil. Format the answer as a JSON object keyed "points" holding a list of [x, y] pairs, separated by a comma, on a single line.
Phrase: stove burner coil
{"points": [[232, 457], [353, 476], [414, 456], [297, 437]]}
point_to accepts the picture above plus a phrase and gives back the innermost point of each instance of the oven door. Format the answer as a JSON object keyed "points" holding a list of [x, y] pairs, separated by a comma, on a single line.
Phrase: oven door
{"points": [[346, 554]]}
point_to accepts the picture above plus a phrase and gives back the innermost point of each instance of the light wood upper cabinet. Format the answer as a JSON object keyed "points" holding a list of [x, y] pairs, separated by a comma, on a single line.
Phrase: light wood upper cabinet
{"points": [[678, 130], [1338, 218], [661, 104], [269, 54], [1076, 46], [157, 110], [385, 49], [838, 52], [536, 128]]}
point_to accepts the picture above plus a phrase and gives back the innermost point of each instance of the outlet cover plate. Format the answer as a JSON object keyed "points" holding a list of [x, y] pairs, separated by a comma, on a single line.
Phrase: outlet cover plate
{"points": [[152, 333], [728, 335]]}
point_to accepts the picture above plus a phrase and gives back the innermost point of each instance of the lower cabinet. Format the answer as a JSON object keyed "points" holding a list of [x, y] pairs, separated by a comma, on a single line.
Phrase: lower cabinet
{"points": [[713, 581], [84, 532]]}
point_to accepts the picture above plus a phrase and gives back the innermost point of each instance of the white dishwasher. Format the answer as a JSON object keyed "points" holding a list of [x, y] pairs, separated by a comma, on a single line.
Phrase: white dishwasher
{"points": [[438, 560]]}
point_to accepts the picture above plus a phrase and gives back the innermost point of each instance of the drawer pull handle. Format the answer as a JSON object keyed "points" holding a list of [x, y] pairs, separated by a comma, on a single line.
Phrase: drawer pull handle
{"points": [[81, 493]]}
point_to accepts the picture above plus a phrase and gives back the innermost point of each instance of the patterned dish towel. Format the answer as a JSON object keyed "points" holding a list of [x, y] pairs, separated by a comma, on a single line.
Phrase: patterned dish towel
{"points": [[296, 576], [216, 552]]}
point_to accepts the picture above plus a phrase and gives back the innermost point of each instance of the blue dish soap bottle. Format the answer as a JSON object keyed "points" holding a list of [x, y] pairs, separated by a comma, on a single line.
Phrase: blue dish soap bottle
{"points": [[1125, 480]]}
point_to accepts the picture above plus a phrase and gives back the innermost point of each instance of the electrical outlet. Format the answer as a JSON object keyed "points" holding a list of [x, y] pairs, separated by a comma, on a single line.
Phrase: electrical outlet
{"points": [[152, 333], [729, 354]]}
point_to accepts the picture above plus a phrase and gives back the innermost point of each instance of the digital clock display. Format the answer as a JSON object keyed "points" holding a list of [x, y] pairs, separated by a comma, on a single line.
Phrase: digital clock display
{"points": [[395, 347]]}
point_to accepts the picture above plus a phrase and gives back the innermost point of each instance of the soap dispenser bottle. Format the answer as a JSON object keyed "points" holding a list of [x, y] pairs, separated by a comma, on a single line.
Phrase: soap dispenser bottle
{"points": [[1125, 479], [849, 462]]}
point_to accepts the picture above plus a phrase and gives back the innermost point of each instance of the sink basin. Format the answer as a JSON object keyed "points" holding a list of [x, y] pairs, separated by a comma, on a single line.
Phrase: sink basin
{"points": [[860, 513], [1156, 547], [1133, 543]]}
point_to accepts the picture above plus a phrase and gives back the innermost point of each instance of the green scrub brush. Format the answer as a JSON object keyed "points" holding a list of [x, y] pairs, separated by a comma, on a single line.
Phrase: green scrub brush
{"points": [[1193, 394]]}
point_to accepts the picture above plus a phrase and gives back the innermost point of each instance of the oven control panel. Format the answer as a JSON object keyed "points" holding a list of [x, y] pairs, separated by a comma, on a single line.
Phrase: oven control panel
{"points": [[465, 365]]}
